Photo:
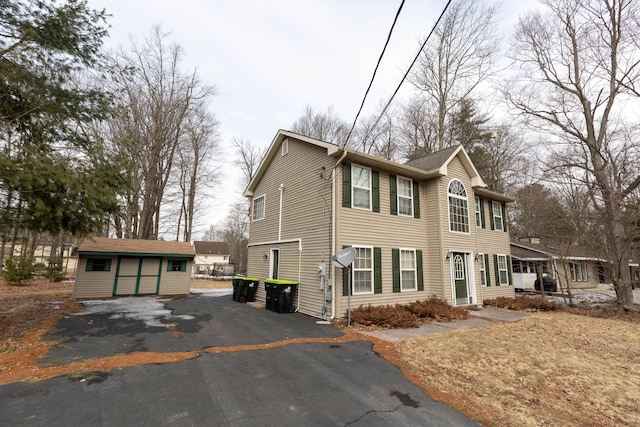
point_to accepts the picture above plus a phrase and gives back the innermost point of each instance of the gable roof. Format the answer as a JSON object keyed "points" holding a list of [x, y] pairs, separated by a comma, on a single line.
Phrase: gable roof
{"points": [[108, 246], [432, 166], [211, 248]]}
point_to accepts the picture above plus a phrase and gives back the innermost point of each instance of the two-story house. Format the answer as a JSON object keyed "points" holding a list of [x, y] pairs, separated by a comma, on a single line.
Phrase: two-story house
{"points": [[428, 227], [212, 258]]}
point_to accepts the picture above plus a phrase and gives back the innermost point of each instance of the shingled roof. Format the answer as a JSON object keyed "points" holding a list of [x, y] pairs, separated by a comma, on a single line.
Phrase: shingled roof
{"points": [[104, 245], [211, 248]]}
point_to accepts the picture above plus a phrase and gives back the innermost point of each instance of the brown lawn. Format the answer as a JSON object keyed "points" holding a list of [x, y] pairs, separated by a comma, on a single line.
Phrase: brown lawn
{"points": [[550, 369]]}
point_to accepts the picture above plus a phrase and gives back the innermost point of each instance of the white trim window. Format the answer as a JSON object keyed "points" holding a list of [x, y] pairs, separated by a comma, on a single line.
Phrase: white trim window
{"points": [[478, 212], [258, 208], [503, 271], [363, 271], [285, 147], [405, 196], [408, 270], [483, 271], [361, 187], [497, 216], [578, 271], [458, 207]]}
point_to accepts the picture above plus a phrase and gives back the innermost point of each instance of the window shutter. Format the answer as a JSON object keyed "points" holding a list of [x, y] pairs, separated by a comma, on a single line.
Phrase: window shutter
{"points": [[482, 220], [416, 199], [395, 268], [497, 270], [345, 278], [107, 265], [393, 191], [346, 185], [419, 270], [486, 269], [504, 217], [509, 270], [377, 270], [375, 191], [491, 221], [89, 265]]}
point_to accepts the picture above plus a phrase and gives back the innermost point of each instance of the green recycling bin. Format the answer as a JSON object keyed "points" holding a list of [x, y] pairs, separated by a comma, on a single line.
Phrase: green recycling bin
{"points": [[280, 295]]}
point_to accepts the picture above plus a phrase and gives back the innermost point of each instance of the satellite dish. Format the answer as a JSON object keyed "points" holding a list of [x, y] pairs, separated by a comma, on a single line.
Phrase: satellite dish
{"points": [[344, 258]]}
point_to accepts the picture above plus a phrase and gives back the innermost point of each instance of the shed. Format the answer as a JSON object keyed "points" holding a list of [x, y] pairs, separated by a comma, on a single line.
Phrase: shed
{"points": [[127, 267]]}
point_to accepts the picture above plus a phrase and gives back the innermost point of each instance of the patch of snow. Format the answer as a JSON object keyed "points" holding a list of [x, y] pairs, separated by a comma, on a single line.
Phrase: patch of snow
{"points": [[148, 310], [594, 297], [212, 292]]}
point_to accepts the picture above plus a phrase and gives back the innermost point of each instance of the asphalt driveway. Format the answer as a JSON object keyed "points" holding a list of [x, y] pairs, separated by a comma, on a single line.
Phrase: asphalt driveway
{"points": [[267, 381]]}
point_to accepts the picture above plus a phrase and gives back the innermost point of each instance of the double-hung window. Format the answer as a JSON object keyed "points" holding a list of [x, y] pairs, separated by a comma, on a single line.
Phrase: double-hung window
{"points": [[361, 188], [258, 208], [408, 270], [498, 216], [363, 271], [405, 196], [458, 208], [502, 269], [483, 270]]}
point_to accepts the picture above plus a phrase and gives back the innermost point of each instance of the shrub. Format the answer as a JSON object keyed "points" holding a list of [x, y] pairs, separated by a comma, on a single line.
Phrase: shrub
{"points": [[385, 316], [437, 309], [18, 271], [524, 303], [409, 315]]}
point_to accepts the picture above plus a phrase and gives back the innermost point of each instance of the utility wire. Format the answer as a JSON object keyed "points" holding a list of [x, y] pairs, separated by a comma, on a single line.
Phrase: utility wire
{"points": [[384, 110], [374, 73]]}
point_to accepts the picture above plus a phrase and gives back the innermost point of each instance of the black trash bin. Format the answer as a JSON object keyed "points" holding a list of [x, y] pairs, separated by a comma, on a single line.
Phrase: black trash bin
{"points": [[249, 287], [280, 295], [269, 288], [237, 287]]}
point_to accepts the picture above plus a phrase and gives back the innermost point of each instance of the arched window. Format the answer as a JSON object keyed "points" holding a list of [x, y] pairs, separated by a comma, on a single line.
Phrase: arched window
{"points": [[458, 207]]}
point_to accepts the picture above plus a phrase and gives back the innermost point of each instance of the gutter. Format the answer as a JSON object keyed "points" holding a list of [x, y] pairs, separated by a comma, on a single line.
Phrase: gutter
{"points": [[333, 231]]}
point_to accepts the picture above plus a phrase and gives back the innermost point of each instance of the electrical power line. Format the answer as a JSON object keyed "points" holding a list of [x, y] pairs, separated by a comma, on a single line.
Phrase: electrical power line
{"points": [[374, 73], [410, 66]]}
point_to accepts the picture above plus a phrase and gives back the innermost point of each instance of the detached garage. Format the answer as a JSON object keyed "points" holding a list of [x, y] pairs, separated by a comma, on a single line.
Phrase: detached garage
{"points": [[126, 267]]}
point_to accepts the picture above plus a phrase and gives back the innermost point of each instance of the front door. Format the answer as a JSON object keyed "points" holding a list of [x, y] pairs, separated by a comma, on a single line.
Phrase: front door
{"points": [[460, 278]]}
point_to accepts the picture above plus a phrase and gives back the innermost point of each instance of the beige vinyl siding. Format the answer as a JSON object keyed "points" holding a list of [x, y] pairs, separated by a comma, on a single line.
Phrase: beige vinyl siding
{"points": [[306, 215], [175, 282], [381, 229], [94, 284], [491, 242]]}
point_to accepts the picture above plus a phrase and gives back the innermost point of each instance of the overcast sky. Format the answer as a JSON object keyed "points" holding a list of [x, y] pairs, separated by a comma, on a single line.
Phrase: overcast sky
{"points": [[269, 59]]}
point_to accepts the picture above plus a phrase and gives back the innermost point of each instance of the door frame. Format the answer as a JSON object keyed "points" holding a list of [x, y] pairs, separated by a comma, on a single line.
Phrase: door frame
{"points": [[468, 260]]}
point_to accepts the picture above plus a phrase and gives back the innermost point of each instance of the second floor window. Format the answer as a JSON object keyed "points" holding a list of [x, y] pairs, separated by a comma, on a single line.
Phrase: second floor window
{"points": [[497, 216], [361, 179], [458, 208], [405, 196], [258, 208]]}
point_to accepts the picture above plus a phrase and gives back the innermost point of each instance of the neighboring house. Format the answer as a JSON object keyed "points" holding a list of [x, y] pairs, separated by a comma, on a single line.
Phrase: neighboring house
{"points": [[421, 229], [212, 258], [124, 267], [65, 253], [571, 265]]}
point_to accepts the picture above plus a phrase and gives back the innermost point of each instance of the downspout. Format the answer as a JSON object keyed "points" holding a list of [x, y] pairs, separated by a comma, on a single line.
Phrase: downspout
{"points": [[333, 231], [280, 214], [299, 268]]}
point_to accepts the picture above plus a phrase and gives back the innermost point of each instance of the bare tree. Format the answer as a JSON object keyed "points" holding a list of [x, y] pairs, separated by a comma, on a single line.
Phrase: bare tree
{"points": [[198, 154], [236, 233], [579, 59], [326, 127], [457, 60], [248, 160], [417, 128]]}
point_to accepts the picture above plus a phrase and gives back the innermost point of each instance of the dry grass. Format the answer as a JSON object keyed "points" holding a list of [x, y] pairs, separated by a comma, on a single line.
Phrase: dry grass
{"points": [[554, 369]]}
